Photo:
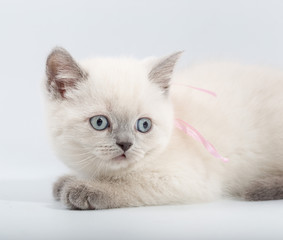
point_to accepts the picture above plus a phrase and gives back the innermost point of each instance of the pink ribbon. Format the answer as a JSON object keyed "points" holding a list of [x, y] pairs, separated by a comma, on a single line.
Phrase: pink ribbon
{"points": [[196, 88], [191, 131]]}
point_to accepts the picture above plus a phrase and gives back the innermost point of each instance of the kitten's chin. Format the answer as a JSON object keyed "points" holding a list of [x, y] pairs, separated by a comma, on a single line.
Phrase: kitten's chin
{"points": [[131, 161], [120, 158], [122, 162]]}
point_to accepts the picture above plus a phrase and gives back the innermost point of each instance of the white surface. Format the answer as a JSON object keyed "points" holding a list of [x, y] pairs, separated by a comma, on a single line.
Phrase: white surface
{"points": [[27, 211], [223, 220], [245, 30]]}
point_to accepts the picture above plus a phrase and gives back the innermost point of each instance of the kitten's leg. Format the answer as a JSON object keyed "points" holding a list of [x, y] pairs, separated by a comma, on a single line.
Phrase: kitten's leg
{"points": [[128, 192], [270, 188]]}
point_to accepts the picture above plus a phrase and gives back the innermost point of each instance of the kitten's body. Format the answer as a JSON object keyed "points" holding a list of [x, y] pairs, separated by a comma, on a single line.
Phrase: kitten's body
{"points": [[165, 166], [244, 122]]}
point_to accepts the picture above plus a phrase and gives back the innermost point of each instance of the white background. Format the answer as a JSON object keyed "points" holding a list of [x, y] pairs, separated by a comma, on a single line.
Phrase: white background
{"points": [[247, 31]]}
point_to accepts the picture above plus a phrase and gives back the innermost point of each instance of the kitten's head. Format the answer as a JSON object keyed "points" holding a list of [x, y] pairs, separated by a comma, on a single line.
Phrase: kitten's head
{"points": [[108, 115]]}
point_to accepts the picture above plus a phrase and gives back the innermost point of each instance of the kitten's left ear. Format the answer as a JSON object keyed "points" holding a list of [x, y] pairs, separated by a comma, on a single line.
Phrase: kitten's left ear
{"points": [[162, 71], [63, 73]]}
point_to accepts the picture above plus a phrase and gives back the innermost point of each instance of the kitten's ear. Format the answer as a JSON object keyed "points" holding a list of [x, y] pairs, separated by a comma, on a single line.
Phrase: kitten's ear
{"points": [[162, 70], [62, 72]]}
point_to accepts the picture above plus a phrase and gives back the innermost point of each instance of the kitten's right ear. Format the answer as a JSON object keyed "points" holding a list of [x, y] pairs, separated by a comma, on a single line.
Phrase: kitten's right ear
{"points": [[62, 72], [162, 69]]}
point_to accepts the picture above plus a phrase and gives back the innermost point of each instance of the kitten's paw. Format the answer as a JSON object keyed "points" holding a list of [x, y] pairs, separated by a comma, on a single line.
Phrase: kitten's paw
{"points": [[80, 196], [59, 184]]}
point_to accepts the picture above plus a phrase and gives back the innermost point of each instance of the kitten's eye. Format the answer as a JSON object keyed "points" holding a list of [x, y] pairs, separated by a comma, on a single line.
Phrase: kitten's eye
{"points": [[143, 125], [99, 123]]}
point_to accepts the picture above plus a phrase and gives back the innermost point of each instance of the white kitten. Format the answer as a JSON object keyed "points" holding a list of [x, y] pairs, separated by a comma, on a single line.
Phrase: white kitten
{"points": [[112, 121]]}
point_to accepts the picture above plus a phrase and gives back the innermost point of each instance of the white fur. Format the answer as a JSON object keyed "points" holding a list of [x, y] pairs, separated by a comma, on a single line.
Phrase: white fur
{"points": [[244, 123]]}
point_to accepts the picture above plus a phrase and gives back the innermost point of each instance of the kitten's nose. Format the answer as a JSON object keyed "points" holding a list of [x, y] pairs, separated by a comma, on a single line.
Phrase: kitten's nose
{"points": [[124, 145]]}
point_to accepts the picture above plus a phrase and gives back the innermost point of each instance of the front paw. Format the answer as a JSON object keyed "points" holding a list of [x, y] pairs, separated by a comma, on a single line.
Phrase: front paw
{"points": [[76, 194], [80, 196], [59, 185]]}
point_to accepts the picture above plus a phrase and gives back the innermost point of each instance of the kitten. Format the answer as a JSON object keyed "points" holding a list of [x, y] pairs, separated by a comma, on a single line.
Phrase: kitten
{"points": [[112, 122]]}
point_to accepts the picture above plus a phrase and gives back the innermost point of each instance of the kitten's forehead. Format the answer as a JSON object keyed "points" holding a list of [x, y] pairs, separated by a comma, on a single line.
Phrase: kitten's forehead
{"points": [[120, 84], [121, 89], [114, 71]]}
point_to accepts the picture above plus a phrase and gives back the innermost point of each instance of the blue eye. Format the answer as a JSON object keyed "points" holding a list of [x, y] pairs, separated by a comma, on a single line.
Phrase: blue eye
{"points": [[143, 125], [99, 122]]}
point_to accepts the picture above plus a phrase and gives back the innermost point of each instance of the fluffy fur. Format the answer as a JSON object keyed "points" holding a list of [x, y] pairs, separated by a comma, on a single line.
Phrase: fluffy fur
{"points": [[164, 166]]}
